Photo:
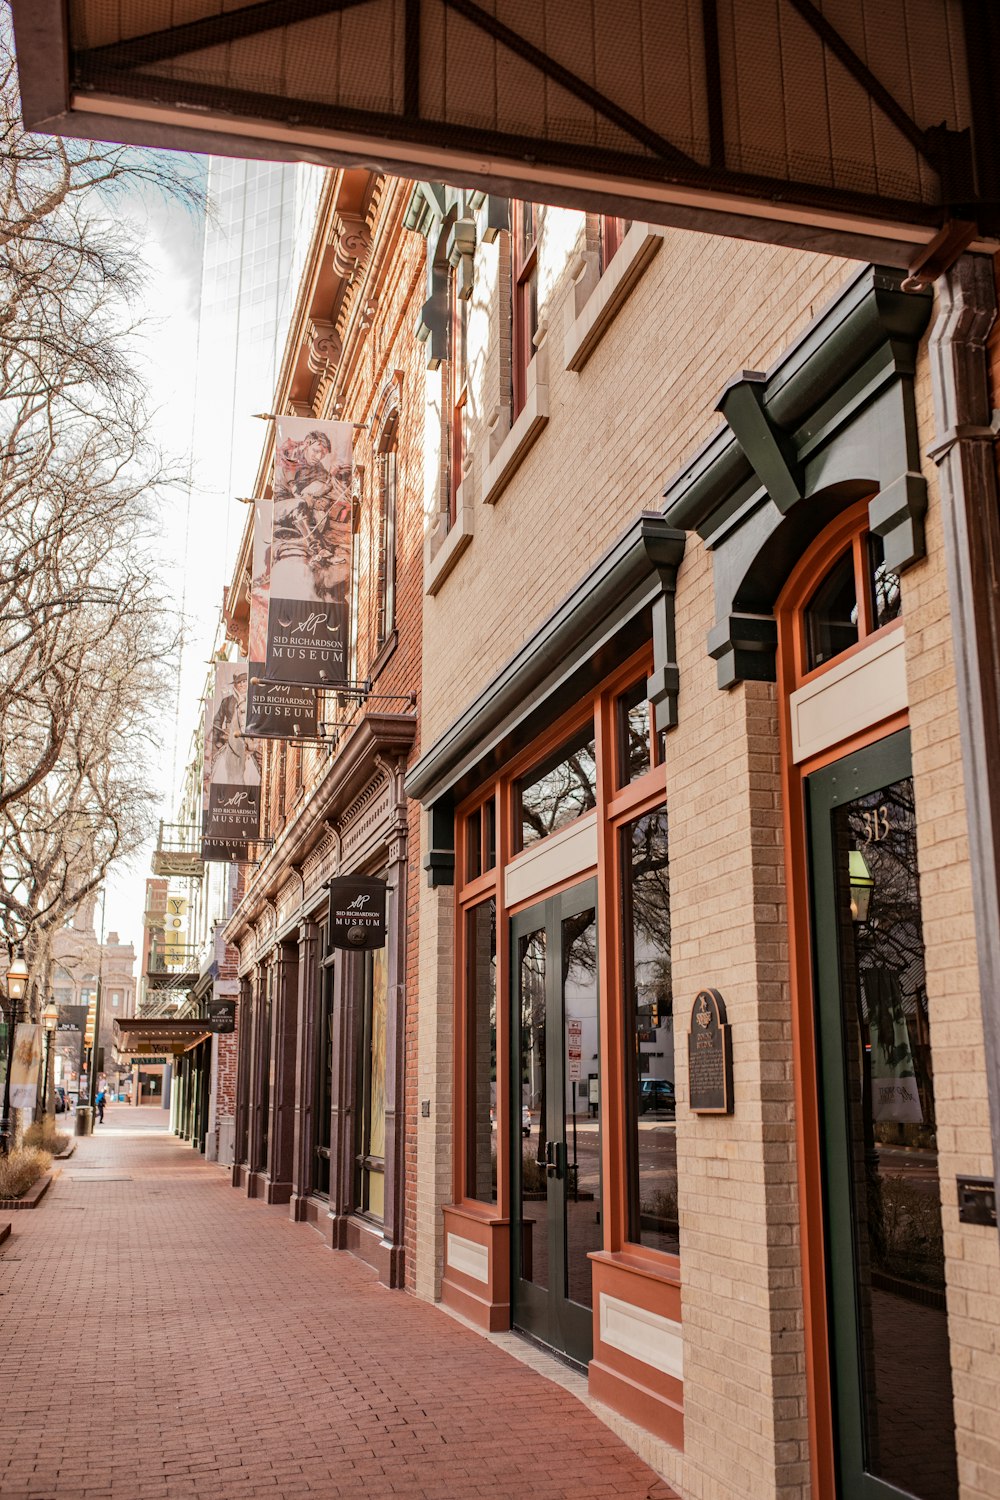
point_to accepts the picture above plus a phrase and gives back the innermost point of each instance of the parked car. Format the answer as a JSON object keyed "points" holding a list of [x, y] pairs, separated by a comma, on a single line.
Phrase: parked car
{"points": [[656, 1096]]}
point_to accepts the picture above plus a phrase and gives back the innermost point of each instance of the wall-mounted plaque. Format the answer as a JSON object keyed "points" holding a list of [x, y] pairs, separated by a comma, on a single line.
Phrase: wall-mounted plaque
{"points": [[221, 1015], [710, 1056], [357, 912]]}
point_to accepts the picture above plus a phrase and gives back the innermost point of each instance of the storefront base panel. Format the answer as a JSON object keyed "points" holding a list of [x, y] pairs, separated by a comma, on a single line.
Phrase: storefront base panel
{"points": [[239, 1173], [637, 1317], [277, 1192], [254, 1182], [476, 1279], [366, 1241], [633, 1399]]}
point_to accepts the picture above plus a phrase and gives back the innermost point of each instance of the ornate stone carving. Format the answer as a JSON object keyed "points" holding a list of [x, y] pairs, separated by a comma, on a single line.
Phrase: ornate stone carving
{"points": [[324, 347], [352, 245]]}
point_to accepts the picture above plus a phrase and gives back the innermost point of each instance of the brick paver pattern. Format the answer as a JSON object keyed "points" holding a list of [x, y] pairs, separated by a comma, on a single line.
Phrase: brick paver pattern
{"points": [[163, 1337]]}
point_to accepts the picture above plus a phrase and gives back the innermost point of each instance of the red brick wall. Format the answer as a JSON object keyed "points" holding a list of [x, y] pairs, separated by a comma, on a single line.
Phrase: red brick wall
{"points": [[387, 354]]}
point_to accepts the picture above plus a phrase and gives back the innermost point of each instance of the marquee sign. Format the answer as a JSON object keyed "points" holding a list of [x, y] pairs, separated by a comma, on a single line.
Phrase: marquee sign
{"points": [[357, 912]]}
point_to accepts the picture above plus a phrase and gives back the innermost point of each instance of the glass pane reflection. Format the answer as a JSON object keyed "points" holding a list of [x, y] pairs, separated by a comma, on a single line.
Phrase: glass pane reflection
{"points": [[581, 1124], [892, 1149], [481, 939], [534, 1194], [649, 1032]]}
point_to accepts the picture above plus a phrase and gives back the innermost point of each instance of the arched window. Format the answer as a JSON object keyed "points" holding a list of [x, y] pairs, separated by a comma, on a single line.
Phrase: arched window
{"points": [[840, 598], [388, 480]]}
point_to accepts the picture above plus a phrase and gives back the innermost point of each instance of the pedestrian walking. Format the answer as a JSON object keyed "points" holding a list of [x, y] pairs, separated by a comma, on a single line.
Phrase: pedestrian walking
{"points": [[101, 1099]]}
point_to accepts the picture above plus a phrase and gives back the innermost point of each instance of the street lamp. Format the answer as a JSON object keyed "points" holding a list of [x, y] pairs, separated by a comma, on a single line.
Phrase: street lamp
{"points": [[50, 1020], [17, 983], [862, 884]]}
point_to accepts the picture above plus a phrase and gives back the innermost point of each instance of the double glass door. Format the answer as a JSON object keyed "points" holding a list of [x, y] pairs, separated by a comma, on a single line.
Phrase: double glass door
{"points": [[891, 1374], [556, 1115]]}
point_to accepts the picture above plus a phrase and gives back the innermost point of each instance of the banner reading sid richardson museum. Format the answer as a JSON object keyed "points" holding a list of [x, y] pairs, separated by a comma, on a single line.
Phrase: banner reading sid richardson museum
{"points": [[275, 710], [308, 623], [232, 767]]}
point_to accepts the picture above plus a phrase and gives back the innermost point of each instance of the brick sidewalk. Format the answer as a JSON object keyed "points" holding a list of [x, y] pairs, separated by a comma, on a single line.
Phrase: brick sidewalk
{"points": [[167, 1338]]}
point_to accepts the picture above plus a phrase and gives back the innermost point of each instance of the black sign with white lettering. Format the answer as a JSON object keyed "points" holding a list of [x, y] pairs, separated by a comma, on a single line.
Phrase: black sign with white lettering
{"points": [[221, 1015], [357, 912]]}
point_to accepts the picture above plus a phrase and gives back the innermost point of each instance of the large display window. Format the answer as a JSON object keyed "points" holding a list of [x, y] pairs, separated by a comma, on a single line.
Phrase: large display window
{"points": [[566, 1103]]}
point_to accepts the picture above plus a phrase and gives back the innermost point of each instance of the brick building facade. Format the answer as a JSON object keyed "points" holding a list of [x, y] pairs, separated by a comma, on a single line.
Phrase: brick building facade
{"points": [[695, 633], [324, 1034], [655, 624]]}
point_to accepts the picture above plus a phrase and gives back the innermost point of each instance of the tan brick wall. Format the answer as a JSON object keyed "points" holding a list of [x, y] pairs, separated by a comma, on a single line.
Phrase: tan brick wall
{"points": [[972, 1252], [616, 433]]}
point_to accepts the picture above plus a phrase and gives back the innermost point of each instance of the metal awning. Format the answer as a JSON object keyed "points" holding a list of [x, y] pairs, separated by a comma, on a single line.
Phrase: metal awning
{"points": [[864, 128], [137, 1037]]}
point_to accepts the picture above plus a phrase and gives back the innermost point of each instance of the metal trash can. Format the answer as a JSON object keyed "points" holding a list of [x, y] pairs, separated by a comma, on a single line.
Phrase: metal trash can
{"points": [[84, 1120]]}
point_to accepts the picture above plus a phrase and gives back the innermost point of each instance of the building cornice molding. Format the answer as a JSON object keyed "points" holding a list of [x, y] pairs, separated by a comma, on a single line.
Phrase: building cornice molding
{"points": [[832, 422], [626, 597], [344, 779]]}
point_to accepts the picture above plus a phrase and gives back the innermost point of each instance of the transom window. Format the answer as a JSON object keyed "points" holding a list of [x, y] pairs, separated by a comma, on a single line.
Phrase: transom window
{"points": [[857, 596], [560, 788]]}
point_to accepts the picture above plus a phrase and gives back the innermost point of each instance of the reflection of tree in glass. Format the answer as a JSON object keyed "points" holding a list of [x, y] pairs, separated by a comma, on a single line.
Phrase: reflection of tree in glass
{"points": [[559, 792], [532, 985], [890, 938], [650, 912]]}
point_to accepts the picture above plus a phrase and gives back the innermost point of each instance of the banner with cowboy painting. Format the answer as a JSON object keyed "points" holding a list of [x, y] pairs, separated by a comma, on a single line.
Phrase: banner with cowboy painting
{"points": [[308, 616], [25, 1064], [233, 767], [275, 710]]}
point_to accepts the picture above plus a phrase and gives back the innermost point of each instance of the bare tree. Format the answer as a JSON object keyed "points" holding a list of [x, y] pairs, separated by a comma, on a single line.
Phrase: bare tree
{"points": [[85, 633]]}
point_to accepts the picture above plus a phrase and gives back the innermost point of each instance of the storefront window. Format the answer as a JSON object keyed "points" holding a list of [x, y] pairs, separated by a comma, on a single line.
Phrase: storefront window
{"points": [[632, 714], [560, 788], [372, 1078], [474, 845], [481, 1013], [648, 1012], [324, 1077]]}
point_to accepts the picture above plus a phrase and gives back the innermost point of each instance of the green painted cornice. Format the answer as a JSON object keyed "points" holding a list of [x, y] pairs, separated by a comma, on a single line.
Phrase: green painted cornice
{"points": [[870, 319], [832, 421], [627, 595]]}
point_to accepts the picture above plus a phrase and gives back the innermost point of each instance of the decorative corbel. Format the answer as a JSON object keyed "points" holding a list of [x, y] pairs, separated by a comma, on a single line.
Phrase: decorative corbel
{"points": [[351, 245], [324, 347]]}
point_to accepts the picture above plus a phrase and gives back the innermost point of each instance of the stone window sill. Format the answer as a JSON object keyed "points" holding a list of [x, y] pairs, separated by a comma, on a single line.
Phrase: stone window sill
{"points": [[610, 293], [439, 559], [525, 429]]}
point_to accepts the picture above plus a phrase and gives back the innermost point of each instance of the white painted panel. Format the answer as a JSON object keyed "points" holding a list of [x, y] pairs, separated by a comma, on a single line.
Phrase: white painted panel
{"points": [[644, 1335], [860, 691], [469, 1258], [571, 851]]}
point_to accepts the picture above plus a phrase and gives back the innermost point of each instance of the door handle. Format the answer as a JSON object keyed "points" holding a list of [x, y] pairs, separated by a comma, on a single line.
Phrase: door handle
{"points": [[555, 1158]]}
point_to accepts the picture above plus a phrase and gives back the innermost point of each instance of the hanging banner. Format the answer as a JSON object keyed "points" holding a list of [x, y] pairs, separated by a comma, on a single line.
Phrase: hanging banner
{"points": [[234, 772], [275, 710], [357, 912], [25, 1063], [308, 615]]}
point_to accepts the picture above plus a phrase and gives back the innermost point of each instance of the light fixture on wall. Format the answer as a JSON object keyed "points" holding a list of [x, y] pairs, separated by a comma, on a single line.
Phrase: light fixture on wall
{"points": [[862, 885]]}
